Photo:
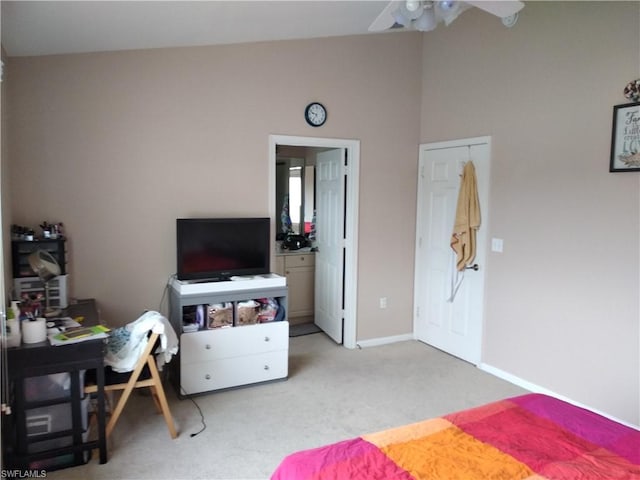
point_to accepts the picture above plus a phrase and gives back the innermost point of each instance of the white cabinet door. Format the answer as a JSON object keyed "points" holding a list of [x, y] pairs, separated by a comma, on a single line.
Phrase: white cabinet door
{"points": [[300, 273]]}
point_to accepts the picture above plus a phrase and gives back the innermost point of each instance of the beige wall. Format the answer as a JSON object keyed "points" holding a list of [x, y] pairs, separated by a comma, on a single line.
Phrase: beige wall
{"points": [[562, 300], [117, 145]]}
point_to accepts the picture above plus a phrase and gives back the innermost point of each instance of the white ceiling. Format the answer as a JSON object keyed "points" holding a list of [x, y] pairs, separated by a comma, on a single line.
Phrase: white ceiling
{"points": [[57, 27]]}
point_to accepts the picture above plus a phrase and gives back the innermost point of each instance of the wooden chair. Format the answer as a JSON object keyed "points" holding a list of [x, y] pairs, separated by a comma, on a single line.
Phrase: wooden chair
{"points": [[154, 383]]}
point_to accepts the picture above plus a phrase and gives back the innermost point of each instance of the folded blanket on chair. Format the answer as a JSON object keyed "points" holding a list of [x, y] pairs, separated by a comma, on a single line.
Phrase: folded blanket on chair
{"points": [[126, 344]]}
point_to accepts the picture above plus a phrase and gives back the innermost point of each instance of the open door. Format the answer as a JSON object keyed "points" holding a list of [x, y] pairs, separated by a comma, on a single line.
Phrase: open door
{"points": [[330, 195]]}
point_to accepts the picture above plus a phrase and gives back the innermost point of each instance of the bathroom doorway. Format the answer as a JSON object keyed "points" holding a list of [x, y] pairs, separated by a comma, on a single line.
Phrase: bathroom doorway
{"points": [[336, 278]]}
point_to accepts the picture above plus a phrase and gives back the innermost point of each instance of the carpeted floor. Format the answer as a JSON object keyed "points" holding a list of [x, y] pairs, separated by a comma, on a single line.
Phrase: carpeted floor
{"points": [[332, 394]]}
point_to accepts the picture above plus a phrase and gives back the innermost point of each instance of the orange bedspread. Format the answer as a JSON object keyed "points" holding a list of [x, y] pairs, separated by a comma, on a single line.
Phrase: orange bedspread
{"points": [[528, 437]]}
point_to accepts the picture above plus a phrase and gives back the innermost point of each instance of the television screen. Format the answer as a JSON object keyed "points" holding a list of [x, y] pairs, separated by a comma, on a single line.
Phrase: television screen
{"points": [[214, 249]]}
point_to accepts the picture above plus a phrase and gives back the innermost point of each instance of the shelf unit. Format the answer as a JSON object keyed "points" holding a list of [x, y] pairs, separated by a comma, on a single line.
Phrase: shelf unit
{"points": [[221, 358], [21, 249]]}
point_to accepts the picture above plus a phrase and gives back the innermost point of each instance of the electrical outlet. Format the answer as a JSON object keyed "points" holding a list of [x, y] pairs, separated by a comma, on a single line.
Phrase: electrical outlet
{"points": [[383, 302]]}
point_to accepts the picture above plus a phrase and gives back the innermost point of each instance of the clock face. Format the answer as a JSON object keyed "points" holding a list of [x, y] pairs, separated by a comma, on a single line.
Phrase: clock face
{"points": [[315, 114]]}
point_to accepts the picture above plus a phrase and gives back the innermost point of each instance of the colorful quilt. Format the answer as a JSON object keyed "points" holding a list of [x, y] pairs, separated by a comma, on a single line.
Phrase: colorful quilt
{"points": [[528, 437]]}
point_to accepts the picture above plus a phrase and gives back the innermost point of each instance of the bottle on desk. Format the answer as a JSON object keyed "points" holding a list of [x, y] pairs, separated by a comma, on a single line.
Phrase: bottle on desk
{"points": [[13, 333]]}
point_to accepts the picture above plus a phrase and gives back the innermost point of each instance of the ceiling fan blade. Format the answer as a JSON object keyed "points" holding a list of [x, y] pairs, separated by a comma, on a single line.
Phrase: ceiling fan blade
{"points": [[498, 8], [385, 20]]}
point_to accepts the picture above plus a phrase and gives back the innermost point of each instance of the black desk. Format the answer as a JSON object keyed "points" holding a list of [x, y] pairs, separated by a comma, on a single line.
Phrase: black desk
{"points": [[33, 360]]}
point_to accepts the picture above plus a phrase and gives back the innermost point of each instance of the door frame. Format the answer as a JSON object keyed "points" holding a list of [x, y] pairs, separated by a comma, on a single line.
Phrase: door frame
{"points": [[352, 170], [420, 213]]}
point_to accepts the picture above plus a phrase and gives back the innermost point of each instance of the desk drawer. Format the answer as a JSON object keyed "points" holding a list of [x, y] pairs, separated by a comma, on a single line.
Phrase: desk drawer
{"points": [[233, 372], [208, 345]]}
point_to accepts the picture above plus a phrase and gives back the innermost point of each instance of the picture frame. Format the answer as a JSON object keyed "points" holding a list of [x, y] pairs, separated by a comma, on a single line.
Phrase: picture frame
{"points": [[625, 138]]}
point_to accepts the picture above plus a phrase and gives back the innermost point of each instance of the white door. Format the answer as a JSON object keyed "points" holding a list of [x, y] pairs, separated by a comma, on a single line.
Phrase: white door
{"points": [[330, 181], [453, 326]]}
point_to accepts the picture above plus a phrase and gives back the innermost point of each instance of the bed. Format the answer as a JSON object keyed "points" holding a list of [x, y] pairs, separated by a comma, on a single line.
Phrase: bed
{"points": [[530, 437]]}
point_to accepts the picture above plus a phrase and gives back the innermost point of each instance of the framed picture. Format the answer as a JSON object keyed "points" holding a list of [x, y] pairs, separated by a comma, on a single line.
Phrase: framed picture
{"points": [[625, 138]]}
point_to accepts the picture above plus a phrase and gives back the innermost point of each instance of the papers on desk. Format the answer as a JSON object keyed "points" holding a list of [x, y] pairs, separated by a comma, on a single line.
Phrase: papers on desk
{"points": [[62, 323], [79, 334]]}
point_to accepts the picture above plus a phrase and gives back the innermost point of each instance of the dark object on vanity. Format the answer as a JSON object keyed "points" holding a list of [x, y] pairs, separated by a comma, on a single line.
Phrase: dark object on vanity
{"points": [[295, 242]]}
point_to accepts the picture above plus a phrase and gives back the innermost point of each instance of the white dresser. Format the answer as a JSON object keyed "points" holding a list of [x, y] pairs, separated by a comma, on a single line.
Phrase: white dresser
{"points": [[214, 359], [228, 357]]}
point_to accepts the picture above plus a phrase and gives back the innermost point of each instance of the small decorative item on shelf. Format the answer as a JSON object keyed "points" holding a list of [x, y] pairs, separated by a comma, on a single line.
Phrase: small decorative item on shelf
{"points": [[51, 230], [18, 232], [46, 230]]}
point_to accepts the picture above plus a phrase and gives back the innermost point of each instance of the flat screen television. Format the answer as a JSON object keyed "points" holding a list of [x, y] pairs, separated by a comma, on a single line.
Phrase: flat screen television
{"points": [[215, 249]]}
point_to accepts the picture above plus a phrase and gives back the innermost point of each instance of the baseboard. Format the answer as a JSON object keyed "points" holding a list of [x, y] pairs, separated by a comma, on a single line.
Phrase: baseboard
{"points": [[532, 387], [375, 342]]}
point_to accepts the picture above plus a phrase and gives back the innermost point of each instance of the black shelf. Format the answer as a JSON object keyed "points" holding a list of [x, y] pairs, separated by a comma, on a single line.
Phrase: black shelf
{"points": [[21, 249]]}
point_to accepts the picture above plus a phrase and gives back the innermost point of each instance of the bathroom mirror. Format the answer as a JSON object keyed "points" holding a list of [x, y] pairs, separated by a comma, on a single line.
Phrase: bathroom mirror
{"points": [[295, 196]]}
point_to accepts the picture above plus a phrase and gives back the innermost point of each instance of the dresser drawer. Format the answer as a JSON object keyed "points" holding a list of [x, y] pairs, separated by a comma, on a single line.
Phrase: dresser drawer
{"points": [[233, 372], [208, 345], [292, 261]]}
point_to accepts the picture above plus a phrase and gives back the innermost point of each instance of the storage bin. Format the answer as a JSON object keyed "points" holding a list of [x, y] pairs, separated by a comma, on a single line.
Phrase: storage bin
{"points": [[50, 387], [60, 461], [54, 418], [58, 292], [54, 443], [246, 313], [220, 315]]}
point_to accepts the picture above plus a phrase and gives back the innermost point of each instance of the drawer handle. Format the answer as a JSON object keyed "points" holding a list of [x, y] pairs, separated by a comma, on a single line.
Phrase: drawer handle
{"points": [[266, 339], [266, 367], [207, 376], [208, 347]]}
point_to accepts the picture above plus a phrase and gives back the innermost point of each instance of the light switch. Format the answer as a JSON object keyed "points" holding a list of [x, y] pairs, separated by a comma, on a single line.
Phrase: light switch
{"points": [[497, 245]]}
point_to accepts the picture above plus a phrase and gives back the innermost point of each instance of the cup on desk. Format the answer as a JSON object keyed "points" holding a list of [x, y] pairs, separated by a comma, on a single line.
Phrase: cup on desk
{"points": [[34, 331]]}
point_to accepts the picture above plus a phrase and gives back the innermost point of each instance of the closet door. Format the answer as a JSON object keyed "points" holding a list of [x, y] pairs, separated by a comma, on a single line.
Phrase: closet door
{"points": [[453, 326]]}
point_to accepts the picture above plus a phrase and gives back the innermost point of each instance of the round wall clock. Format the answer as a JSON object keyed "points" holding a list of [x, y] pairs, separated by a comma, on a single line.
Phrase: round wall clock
{"points": [[315, 114]]}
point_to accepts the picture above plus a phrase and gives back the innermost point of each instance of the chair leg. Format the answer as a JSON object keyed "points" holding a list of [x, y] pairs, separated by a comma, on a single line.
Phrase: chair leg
{"points": [[122, 401], [162, 399]]}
